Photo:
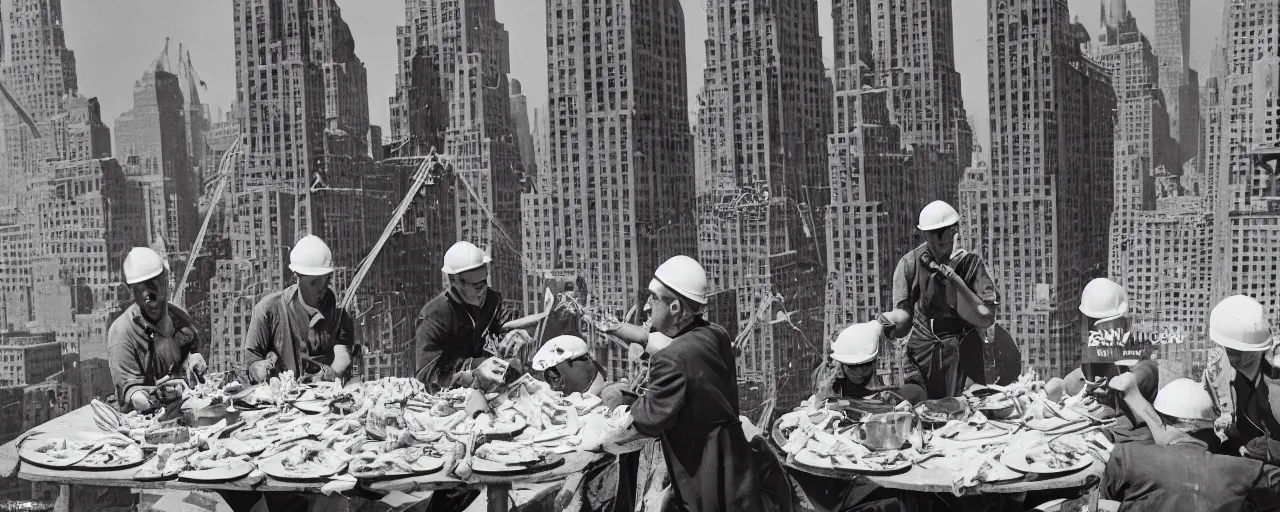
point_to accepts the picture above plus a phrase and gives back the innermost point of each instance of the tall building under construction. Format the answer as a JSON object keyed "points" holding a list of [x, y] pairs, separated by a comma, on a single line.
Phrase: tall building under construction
{"points": [[901, 140], [763, 117], [452, 94], [1038, 214]]}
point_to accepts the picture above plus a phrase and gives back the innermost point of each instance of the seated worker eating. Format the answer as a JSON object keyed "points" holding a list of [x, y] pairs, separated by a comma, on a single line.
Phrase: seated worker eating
{"points": [[851, 370]]}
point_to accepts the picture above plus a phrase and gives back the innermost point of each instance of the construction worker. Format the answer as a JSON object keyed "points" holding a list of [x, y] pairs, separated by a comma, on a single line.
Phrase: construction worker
{"points": [[152, 339], [1179, 471], [851, 370], [1248, 390], [940, 295], [299, 329], [567, 365], [692, 398], [455, 327]]}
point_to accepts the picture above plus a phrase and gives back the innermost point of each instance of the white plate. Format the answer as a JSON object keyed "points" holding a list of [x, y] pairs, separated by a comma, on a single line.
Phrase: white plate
{"points": [[809, 458], [312, 406], [422, 466], [273, 466], [233, 471], [1017, 461]]}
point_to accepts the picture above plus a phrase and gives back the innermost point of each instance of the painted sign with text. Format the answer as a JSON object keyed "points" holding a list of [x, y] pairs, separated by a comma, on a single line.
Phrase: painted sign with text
{"points": [[1116, 340]]}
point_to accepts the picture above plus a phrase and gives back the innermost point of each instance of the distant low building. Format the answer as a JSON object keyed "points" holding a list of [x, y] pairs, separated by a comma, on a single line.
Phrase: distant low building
{"points": [[27, 358]]}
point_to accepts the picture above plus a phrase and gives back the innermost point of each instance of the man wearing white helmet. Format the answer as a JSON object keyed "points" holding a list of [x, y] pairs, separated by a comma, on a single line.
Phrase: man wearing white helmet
{"points": [[301, 329], [455, 326], [940, 295], [851, 371], [1180, 471], [1247, 387], [152, 339], [568, 367], [692, 399]]}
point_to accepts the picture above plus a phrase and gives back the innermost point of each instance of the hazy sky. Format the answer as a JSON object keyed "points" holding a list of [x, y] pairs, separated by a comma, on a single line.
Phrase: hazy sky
{"points": [[116, 40]]}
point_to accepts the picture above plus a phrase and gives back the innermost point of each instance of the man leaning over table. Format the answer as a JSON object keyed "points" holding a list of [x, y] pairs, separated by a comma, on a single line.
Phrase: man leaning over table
{"points": [[152, 339]]}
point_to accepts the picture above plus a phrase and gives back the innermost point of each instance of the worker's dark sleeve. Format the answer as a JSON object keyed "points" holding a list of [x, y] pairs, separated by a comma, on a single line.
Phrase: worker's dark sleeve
{"points": [[979, 280], [1112, 485], [258, 341], [429, 341], [659, 409], [1265, 494], [125, 361], [188, 338], [346, 335], [905, 293]]}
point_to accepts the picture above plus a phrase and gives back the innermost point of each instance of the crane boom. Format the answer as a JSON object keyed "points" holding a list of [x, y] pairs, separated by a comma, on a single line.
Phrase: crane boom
{"points": [[22, 112], [225, 169]]}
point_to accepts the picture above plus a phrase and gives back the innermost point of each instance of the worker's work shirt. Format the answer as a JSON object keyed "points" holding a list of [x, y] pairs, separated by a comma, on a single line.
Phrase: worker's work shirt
{"points": [[141, 353], [692, 406], [282, 323], [1251, 403], [1185, 476], [452, 333], [923, 293]]}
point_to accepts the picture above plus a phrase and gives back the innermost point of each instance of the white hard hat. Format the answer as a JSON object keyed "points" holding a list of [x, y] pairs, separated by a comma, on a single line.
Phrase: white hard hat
{"points": [[464, 256], [142, 264], [937, 215], [1104, 298], [558, 350], [684, 276], [1184, 399], [857, 343], [1240, 323], [311, 257]]}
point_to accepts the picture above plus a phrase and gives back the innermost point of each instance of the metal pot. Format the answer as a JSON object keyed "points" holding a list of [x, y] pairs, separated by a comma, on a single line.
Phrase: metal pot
{"points": [[884, 431]]}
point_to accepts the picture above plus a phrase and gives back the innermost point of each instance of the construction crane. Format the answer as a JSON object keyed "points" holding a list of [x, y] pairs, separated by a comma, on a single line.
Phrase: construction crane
{"points": [[225, 171], [22, 112]]}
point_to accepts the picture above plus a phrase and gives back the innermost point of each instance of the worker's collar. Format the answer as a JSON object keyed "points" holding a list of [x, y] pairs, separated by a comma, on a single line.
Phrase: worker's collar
{"points": [[314, 315], [696, 322], [597, 385], [164, 327]]}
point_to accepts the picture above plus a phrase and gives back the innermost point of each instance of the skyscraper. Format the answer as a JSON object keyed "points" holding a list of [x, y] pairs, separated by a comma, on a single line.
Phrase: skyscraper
{"points": [[901, 140], [520, 125], [1242, 172], [1038, 215], [452, 89], [1143, 146], [304, 118], [1180, 83], [763, 120], [151, 143], [621, 154]]}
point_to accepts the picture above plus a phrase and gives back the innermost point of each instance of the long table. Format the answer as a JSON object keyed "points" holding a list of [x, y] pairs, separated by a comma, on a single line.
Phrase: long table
{"points": [[920, 479], [497, 488]]}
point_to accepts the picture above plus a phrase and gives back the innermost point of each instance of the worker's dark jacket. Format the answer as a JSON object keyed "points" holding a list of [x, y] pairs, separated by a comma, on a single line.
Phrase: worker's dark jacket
{"points": [[135, 354], [283, 324], [452, 333], [1185, 476], [933, 348], [1254, 402], [692, 406]]}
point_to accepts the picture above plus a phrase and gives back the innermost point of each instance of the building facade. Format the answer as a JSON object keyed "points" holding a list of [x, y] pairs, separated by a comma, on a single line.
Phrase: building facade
{"points": [[621, 153], [1038, 214], [28, 358], [763, 119], [1179, 83]]}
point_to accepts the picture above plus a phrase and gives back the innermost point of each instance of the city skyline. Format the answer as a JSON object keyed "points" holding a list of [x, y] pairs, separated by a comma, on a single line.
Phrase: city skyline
{"points": [[135, 33]]}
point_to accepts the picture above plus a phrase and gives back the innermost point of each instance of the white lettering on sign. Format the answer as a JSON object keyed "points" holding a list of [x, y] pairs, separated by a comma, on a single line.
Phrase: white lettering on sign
{"points": [[1122, 337]]}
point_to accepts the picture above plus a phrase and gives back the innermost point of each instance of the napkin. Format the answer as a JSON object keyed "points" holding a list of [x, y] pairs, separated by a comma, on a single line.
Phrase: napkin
{"points": [[339, 484]]}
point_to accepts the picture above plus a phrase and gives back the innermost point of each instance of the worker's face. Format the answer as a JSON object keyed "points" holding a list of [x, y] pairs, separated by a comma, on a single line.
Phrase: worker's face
{"points": [[859, 374], [1244, 362], [665, 310], [313, 288], [152, 295], [472, 285], [573, 376], [941, 243]]}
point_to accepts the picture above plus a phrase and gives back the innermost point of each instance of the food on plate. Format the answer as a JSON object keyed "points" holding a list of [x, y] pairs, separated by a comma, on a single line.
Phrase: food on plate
{"points": [[305, 461], [509, 453], [942, 410], [400, 462]]}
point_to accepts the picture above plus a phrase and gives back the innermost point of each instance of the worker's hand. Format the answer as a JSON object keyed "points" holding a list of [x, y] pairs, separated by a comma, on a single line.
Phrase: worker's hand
{"points": [[475, 403], [514, 341], [260, 371], [1124, 383], [1099, 387], [170, 390], [635, 352], [1223, 423], [326, 374], [618, 394], [143, 401], [603, 322], [195, 366], [492, 371]]}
